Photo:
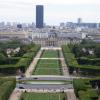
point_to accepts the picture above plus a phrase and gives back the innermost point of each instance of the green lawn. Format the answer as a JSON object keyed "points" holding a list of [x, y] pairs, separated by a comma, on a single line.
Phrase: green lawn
{"points": [[43, 96], [45, 82], [50, 54], [48, 67]]}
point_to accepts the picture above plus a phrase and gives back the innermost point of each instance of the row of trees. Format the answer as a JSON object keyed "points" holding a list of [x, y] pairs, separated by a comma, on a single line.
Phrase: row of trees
{"points": [[82, 49]]}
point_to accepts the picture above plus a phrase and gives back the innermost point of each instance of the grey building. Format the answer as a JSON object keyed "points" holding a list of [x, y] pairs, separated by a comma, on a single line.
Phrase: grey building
{"points": [[39, 16]]}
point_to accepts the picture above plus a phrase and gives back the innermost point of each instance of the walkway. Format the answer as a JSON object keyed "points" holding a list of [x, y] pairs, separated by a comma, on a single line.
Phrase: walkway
{"points": [[71, 95], [15, 94], [63, 63], [51, 48]]}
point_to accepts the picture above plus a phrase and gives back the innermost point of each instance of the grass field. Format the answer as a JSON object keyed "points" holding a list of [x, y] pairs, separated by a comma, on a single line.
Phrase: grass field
{"points": [[50, 54], [48, 66], [43, 96], [45, 82]]}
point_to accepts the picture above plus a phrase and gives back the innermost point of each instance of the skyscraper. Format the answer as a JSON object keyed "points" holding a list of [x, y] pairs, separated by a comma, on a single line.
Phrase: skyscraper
{"points": [[79, 21], [39, 16]]}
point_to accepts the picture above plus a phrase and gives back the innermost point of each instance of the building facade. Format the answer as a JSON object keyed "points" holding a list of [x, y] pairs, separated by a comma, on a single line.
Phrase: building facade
{"points": [[54, 39]]}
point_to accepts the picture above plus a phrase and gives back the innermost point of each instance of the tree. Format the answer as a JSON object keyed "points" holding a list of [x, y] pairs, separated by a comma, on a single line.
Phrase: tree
{"points": [[97, 51], [2, 58]]}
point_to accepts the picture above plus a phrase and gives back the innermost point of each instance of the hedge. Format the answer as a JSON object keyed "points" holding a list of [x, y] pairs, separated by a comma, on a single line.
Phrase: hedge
{"points": [[83, 96], [19, 62], [88, 95], [80, 84], [6, 88], [69, 57], [35, 48], [29, 55], [74, 65], [12, 60], [88, 61], [84, 90]]}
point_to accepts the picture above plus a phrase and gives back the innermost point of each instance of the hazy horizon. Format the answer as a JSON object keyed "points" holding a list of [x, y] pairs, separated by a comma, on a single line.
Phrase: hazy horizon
{"points": [[54, 11]]}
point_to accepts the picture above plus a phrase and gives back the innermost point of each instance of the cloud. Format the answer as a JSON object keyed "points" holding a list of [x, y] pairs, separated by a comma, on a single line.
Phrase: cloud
{"points": [[66, 2], [47, 2], [55, 10]]}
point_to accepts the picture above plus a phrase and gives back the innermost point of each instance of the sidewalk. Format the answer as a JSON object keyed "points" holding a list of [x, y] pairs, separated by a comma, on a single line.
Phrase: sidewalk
{"points": [[71, 95]]}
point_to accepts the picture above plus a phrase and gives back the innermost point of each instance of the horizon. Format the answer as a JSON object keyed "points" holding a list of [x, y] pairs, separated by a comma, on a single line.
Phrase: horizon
{"points": [[55, 12]]}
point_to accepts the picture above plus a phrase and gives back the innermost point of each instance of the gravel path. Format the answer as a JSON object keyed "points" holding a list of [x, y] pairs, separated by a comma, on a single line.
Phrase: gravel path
{"points": [[64, 66], [15, 95]]}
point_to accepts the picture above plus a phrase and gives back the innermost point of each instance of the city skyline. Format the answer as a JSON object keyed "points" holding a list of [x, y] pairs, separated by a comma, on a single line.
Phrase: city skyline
{"points": [[55, 11]]}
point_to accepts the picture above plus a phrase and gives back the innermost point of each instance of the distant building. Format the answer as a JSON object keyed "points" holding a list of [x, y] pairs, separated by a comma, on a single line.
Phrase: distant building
{"points": [[79, 21], [13, 34], [2, 24], [62, 24], [39, 16], [19, 25]]}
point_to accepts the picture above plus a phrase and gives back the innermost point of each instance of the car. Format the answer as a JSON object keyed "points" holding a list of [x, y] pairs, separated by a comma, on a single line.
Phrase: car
{"points": [[20, 78], [21, 87], [35, 78]]}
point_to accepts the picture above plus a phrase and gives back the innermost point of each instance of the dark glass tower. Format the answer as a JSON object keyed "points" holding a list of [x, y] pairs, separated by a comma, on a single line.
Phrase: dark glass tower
{"points": [[39, 16]]}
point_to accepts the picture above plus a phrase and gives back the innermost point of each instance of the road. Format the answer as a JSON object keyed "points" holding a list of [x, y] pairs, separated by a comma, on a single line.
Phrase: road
{"points": [[44, 86], [46, 78]]}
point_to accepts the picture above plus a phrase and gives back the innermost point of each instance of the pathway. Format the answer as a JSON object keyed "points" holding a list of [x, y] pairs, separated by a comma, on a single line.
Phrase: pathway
{"points": [[71, 95], [63, 63], [51, 48], [15, 94]]}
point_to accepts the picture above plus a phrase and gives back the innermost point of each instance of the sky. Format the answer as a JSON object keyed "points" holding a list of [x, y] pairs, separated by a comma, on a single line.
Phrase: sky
{"points": [[55, 11]]}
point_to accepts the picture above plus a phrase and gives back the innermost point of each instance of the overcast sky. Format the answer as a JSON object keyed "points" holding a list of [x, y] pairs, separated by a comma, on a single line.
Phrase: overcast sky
{"points": [[55, 11]]}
